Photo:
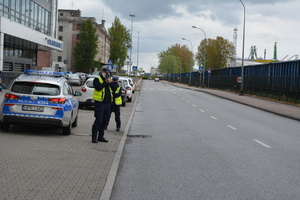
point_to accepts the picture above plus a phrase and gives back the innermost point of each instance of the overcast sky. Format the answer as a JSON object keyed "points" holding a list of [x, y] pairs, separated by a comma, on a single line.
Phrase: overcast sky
{"points": [[162, 23]]}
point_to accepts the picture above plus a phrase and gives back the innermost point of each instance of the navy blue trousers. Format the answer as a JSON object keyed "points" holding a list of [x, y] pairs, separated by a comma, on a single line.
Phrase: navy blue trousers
{"points": [[116, 109], [102, 113]]}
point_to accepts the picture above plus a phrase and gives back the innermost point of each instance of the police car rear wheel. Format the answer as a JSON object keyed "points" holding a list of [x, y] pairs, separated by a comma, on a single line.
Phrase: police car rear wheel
{"points": [[74, 124], [67, 130], [4, 126]]}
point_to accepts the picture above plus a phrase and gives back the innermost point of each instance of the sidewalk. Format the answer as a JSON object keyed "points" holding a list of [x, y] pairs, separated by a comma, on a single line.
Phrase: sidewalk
{"points": [[285, 110], [40, 163]]}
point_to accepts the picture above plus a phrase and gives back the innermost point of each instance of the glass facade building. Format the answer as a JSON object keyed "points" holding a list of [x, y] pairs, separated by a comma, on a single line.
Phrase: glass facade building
{"points": [[28, 13], [27, 27]]}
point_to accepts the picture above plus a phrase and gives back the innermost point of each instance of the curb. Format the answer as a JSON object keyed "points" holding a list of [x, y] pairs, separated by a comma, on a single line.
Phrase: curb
{"points": [[108, 187]]}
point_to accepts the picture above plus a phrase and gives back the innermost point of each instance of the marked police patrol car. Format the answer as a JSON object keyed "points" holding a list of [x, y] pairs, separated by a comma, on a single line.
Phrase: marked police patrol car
{"points": [[40, 98]]}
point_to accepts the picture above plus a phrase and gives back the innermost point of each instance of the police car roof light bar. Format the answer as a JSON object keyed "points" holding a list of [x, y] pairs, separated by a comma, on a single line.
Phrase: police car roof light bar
{"points": [[44, 73]]}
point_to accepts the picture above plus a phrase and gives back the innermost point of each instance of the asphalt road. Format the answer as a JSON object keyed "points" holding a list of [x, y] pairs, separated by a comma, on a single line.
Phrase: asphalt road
{"points": [[185, 144]]}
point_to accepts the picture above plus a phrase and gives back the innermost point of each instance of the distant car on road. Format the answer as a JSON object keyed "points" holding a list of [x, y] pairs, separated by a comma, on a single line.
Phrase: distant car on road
{"points": [[73, 79], [156, 80], [40, 98]]}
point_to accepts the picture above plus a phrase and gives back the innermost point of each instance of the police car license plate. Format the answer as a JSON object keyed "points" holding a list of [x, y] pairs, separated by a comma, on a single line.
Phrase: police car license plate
{"points": [[33, 108]]}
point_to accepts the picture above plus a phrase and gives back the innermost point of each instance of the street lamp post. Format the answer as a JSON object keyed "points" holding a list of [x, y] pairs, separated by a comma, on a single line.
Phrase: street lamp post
{"points": [[180, 64], [190, 81], [132, 16], [204, 54], [242, 73], [138, 49]]}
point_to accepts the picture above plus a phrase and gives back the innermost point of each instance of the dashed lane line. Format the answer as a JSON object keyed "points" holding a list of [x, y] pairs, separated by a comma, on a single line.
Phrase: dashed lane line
{"points": [[233, 128], [262, 144]]}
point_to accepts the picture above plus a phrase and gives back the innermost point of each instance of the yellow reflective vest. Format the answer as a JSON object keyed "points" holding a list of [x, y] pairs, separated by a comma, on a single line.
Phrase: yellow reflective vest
{"points": [[118, 100], [99, 95]]}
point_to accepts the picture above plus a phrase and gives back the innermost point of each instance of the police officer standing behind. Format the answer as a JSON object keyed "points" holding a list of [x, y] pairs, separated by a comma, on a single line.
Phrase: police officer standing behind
{"points": [[104, 89], [116, 104]]}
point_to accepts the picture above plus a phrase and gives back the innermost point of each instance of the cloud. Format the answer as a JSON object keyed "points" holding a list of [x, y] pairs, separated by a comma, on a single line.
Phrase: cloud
{"points": [[162, 24]]}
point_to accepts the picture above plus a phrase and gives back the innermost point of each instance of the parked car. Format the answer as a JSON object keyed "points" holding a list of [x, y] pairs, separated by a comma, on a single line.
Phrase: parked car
{"points": [[132, 84], [87, 90], [40, 98], [73, 79], [124, 92], [128, 88], [82, 77]]}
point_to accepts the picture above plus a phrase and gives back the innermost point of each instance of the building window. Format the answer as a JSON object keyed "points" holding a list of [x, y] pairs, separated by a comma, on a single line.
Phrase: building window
{"points": [[60, 38], [61, 29], [78, 26], [59, 59]]}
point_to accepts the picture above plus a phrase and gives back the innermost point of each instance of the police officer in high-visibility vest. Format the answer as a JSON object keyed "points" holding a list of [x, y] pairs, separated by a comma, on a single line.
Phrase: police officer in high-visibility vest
{"points": [[103, 97], [116, 104]]}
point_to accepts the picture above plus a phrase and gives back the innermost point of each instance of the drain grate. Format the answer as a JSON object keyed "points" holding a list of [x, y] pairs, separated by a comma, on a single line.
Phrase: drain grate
{"points": [[139, 136]]}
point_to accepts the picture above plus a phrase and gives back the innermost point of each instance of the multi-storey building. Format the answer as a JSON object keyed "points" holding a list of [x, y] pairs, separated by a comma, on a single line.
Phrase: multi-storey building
{"points": [[69, 24], [28, 32]]}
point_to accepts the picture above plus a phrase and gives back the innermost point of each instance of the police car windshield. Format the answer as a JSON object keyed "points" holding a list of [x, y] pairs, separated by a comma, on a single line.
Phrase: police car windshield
{"points": [[35, 88]]}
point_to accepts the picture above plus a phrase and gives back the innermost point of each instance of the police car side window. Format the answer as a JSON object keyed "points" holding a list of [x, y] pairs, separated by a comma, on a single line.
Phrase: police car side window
{"points": [[68, 89]]}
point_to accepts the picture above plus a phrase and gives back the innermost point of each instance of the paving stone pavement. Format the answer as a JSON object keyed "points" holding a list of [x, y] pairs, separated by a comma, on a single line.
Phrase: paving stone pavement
{"points": [[39, 163]]}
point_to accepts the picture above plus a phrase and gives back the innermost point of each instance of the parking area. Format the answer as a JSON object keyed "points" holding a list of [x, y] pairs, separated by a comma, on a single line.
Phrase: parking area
{"points": [[41, 163]]}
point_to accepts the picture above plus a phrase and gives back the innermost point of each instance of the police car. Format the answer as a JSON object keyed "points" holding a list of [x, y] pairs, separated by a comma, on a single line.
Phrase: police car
{"points": [[40, 98]]}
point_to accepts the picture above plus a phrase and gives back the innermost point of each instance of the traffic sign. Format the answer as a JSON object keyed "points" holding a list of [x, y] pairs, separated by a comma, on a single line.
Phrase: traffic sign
{"points": [[134, 68], [201, 68]]}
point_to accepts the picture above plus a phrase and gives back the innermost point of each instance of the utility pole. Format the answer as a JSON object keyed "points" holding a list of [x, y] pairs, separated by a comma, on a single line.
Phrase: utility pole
{"points": [[129, 70]]}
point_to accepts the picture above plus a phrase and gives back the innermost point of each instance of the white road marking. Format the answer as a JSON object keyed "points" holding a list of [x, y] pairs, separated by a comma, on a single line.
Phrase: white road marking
{"points": [[187, 101], [262, 144], [193, 105], [213, 117], [233, 128], [201, 110]]}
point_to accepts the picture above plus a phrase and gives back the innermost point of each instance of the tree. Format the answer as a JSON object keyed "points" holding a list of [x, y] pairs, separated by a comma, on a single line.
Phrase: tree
{"points": [[86, 48], [217, 52], [120, 42], [170, 60]]}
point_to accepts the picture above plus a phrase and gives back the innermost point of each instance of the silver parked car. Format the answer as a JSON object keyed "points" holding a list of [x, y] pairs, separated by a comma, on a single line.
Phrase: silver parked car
{"points": [[74, 79], [40, 98]]}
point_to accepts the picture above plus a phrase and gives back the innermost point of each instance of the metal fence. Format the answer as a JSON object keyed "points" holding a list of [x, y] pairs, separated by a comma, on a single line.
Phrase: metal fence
{"points": [[280, 81]]}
